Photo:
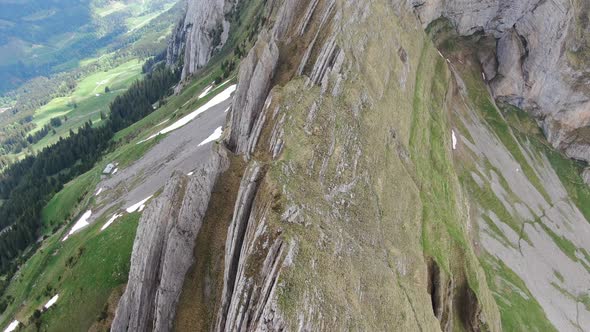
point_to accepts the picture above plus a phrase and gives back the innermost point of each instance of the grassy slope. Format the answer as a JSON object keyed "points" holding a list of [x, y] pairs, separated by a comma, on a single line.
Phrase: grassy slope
{"points": [[84, 287], [368, 233], [445, 219], [88, 104], [104, 264], [136, 14], [514, 128]]}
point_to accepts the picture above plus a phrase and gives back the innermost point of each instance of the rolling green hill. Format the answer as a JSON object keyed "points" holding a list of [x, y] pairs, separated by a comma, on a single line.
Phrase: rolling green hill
{"points": [[39, 37]]}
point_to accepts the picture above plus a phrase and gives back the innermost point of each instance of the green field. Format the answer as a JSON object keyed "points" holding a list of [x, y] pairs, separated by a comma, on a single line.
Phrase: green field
{"points": [[102, 267], [86, 102], [83, 270], [42, 38], [91, 265]]}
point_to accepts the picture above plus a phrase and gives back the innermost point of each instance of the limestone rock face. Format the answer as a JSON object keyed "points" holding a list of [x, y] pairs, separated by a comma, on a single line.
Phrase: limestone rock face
{"points": [[586, 176], [163, 247], [304, 249], [256, 73], [203, 30], [350, 213], [536, 41]]}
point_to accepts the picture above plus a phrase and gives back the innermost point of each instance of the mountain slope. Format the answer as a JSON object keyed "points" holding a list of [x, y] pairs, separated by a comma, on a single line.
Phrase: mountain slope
{"points": [[39, 38], [376, 184]]}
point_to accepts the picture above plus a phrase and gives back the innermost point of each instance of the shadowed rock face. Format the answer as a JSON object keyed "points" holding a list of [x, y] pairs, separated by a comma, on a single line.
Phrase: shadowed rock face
{"points": [[203, 30], [535, 41], [162, 251]]}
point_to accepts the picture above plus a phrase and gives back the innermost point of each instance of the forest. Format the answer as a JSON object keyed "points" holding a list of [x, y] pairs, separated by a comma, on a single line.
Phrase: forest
{"points": [[26, 186]]}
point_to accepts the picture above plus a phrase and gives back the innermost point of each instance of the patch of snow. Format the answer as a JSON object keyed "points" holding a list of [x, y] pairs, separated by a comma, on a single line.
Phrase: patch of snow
{"points": [[226, 110], [454, 139], [98, 192], [137, 206], [218, 99], [206, 91], [110, 221], [12, 326], [483, 75], [81, 223], [98, 94], [190, 173], [51, 302], [213, 137], [115, 171], [440, 54]]}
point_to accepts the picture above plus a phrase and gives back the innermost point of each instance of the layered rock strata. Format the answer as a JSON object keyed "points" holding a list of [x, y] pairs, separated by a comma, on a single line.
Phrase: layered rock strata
{"points": [[540, 62], [163, 247], [203, 30]]}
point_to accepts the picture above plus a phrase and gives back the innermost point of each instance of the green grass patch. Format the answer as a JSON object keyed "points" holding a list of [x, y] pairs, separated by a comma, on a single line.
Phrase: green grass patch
{"points": [[566, 246], [480, 97], [429, 149], [62, 207], [519, 309], [83, 270]]}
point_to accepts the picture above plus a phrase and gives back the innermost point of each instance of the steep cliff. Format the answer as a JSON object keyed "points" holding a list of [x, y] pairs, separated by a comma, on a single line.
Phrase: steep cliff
{"points": [[538, 59], [349, 215], [203, 30], [162, 251], [379, 176]]}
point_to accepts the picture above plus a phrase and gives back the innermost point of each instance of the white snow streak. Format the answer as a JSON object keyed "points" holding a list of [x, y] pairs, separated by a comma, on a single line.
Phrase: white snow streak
{"points": [[98, 192], [215, 136], [205, 92], [110, 221], [137, 206], [454, 139], [221, 97], [12, 326], [51, 302], [81, 223]]}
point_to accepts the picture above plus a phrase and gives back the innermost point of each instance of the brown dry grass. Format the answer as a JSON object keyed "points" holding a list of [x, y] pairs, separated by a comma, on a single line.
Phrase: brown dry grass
{"points": [[203, 284]]}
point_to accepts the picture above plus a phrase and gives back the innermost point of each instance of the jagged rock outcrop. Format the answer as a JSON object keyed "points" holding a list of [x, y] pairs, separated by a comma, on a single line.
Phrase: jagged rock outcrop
{"points": [[537, 41], [162, 251], [305, 245], [352, 212], [203, 30], [255, 77]]}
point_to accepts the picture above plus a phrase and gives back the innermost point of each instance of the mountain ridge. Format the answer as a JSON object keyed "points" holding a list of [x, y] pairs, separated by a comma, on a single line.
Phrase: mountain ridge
{"points": [[385, 184]]}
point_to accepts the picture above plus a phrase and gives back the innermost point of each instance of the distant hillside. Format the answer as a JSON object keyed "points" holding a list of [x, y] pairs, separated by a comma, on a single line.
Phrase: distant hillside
{"points": [[40, 37]]}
